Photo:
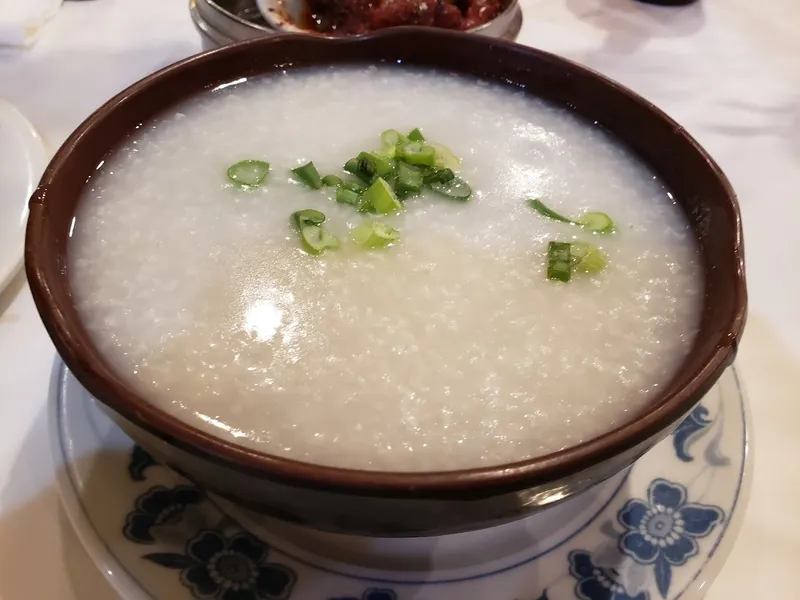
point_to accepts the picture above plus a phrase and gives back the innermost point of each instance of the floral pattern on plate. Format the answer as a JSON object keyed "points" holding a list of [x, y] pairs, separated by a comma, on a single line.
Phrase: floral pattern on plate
{"points": [[650, 539], [228, 568], [663, 531]]}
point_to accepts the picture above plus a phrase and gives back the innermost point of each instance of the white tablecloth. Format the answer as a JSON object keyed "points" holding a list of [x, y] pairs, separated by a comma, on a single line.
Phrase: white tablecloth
{"points": [[728, 70]]}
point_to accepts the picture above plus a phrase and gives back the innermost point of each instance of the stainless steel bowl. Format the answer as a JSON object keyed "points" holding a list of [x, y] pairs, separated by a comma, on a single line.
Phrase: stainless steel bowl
{"points": [[506, 25], [222, 22], [228, 21]]}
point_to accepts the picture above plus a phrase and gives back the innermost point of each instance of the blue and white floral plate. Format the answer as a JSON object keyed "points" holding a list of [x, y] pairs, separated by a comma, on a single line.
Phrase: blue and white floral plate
{"points": [[658, 532]]}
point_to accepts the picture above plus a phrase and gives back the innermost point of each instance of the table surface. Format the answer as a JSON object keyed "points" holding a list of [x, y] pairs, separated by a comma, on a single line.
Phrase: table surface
{"points": [[728, 70]]}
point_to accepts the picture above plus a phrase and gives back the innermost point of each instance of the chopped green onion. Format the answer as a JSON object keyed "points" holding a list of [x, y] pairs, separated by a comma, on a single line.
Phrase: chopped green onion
{"points": [[248, 173], [346, 196], [597, 222], [351, 166], [371, 163], [354, 186], [564, 258], [409, 181], [309, 175], [456, 189], [380, 198], [594, 221], [331, 180], [368, 165], [559, 263], [316, 239], [440, 176], [445, 159], [392, 137], [543, 210], [417, 153], [416, 136], [309, 216], [388, 152], [374, 234], [587, 258]]}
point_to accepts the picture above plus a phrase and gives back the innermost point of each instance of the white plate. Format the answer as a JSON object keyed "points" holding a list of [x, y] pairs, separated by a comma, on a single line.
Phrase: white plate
{"points": [[659, 531], [22, 162]]}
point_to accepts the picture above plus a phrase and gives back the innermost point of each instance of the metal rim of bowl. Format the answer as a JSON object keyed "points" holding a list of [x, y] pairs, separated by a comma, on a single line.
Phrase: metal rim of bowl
{"points": [[205, 29], [222, 26]]}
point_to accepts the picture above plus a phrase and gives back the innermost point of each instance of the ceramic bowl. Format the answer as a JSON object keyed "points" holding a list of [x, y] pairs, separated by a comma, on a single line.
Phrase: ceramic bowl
{"points": [[393, 503], [286, 15]]}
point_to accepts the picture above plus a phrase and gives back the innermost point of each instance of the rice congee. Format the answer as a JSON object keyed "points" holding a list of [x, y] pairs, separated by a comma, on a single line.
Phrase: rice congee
{"points": [[444, 330]]}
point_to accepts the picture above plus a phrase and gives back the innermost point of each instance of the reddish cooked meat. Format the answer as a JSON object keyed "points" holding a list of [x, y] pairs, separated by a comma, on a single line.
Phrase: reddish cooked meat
{"points": [[481, 11], [339, 16], [360, 16], [448, 15], [391, 13]]}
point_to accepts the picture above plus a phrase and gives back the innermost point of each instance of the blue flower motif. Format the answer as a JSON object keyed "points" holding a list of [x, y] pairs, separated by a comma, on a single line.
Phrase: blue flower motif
{"points": [[236, 568], [158, 506], [690, 429], [598, 583], [662, 531], [139, 463], [372, 594]]}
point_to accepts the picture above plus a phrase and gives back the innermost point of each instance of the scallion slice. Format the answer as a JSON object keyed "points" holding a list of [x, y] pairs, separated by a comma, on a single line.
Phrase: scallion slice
{"points": [[380, 198], [375, 165], [388, 152], [545, 211], [559, 262], [417, 153], [248, 173], [445, 159], [354, 186], [416, 136], [309, 216], [369, 165], [374, 234], [598, 222], [440, 176], [316, 239], [352, 167], [587, 258], [456, 189], [346, 196], [308, 175], [392, 137], [409, 181], [331, 180]]}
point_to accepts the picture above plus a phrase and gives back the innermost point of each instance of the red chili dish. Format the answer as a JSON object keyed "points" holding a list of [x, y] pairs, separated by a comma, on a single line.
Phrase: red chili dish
{"points": [[353, 17]]}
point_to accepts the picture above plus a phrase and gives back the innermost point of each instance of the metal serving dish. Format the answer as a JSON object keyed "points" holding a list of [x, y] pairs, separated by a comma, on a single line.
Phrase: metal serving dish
{"points": [[222, 22], [228, 21]]}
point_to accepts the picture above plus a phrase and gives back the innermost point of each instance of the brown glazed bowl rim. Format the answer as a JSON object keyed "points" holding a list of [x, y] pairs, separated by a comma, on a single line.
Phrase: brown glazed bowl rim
{"points": [[86, 362]]}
